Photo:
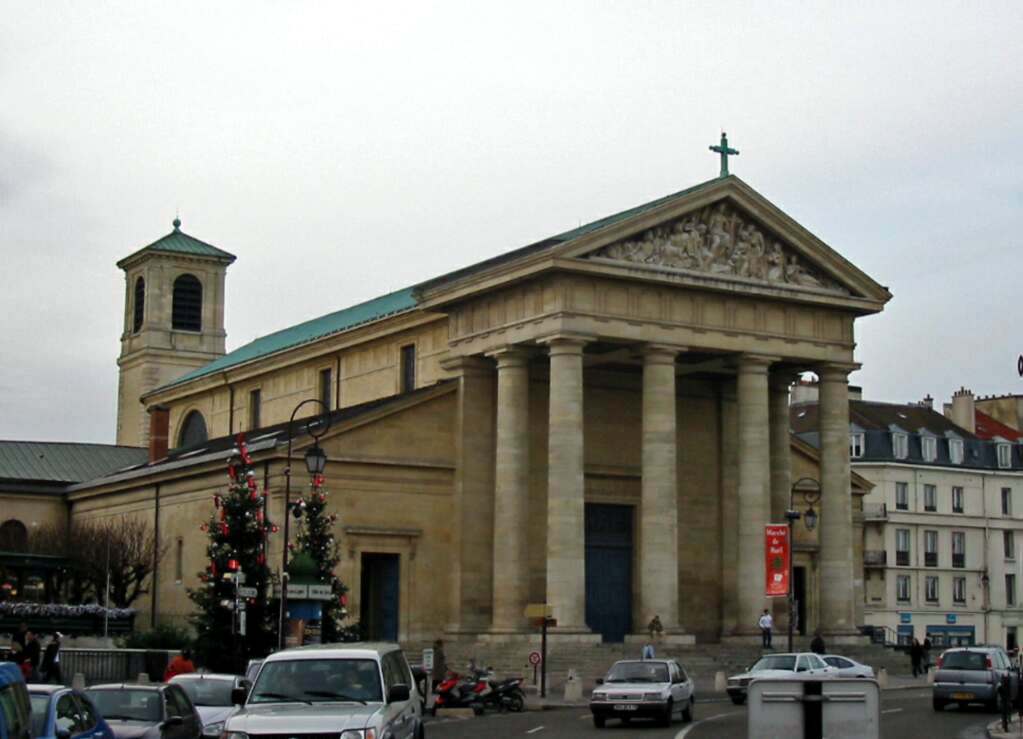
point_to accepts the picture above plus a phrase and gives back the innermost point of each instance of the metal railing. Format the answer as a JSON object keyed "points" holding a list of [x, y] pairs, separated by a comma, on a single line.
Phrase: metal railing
{"points": [[875, 511], [113, 665], [875, 557]]}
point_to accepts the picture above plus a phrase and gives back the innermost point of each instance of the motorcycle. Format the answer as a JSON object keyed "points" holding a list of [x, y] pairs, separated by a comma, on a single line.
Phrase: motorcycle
{"points": [[458, 691], [506, 695]]}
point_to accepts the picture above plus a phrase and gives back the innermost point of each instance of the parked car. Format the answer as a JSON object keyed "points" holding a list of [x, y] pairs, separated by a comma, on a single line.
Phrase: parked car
{"points": [[252, 669], [212, 695], [972, 675], [848, 667], [147, 710], [15, 708], [63, 713], [354, 690], [652, 688], [795, 664]]}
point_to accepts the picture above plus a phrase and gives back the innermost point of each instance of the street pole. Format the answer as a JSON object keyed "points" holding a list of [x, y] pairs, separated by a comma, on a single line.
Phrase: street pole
{"points": [[543, 658], [106, 597], [791, 516]]}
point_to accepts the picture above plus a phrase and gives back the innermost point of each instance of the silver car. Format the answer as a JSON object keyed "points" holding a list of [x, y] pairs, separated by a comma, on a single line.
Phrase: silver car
{"points": [[847, 666], [652, 688], [348, 691], [972, 675], [213, 696]]}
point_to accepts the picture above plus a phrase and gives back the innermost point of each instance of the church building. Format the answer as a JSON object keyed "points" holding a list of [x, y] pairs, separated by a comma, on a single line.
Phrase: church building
{"points": [[597, 421]]}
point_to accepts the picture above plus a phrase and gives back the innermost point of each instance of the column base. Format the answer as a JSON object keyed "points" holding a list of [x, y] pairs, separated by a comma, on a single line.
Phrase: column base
{"points": [[672, 638], [780, 641], [845, 638]]}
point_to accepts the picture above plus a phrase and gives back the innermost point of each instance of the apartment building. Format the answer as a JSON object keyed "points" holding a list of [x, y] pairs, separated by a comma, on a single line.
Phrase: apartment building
{"points": [[943, 526]]}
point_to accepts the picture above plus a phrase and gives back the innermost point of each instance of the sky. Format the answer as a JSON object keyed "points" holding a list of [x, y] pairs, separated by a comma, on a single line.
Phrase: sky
{"points": [[343, 150]]}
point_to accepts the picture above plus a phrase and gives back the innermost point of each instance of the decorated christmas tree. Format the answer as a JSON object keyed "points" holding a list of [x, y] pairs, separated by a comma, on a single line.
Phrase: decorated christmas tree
{"points": [[316, 539], [237, 530]]}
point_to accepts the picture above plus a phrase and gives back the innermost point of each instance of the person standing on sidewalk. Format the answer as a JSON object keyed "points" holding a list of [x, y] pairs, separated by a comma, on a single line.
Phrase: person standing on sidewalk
{"points": [[916, 655], [817, 645], [51, 660], [440, 664], [766, 624]]}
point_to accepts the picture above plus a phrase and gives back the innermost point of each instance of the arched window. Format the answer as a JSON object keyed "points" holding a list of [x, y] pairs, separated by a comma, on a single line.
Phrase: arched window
{"points": [[140, 304], [187, 311], [13, 536], [193, 430]]}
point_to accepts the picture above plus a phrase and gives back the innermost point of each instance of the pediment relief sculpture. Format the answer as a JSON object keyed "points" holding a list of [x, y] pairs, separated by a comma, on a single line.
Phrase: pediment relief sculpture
{"points": [[718, 240]]}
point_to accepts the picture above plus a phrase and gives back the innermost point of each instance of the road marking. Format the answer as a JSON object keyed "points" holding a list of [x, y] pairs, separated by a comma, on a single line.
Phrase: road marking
{"points": [[685, 732], [533, 731], [892, 710]]}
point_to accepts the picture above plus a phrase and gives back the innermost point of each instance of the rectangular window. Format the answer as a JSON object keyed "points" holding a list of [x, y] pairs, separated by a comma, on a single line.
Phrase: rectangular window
{"points": [[326, 387], [957, 500], [179, 559], [902, 588], [1006, 501], [902, 547], [856, 445], [959, 589], [408, 368], [930, 498], [1010, 590], [930, 548], [255, 401], [900, 445], [955, 451], [929, 448], [959, 549], [902, 496], [1004, 456], [1009, 544], [931, 589]]}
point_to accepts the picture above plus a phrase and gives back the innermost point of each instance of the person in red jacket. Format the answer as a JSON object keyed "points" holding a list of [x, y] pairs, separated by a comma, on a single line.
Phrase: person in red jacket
{"points": [[180, 665]]}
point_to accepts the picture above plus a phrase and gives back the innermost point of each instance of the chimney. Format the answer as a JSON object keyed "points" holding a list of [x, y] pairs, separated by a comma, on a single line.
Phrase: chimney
{"points": [[927, 402], [855, 392], [159, 427], [964, 413]]}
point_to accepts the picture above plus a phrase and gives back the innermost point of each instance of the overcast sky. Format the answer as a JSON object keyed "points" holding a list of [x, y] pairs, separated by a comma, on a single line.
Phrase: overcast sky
{"points": [[342, 150]]}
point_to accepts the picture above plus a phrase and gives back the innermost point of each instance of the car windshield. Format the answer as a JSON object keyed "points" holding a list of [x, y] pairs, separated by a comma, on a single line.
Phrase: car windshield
{"points": [[40, 706], [208, 691], [318, 681], [638, 672], [775, 662], [127, 704], [965, 661]]}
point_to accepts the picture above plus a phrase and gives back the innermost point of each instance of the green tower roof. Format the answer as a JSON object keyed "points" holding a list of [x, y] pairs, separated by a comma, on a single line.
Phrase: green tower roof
{"points": [[178, 242]]}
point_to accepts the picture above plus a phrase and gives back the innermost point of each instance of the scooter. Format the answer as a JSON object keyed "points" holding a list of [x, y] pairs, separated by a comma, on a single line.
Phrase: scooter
{"points": [[506, 695], [457, 691]]}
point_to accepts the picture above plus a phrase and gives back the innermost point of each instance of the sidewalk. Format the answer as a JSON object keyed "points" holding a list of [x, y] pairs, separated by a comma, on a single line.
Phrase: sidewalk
{"points": [[994, 729]]}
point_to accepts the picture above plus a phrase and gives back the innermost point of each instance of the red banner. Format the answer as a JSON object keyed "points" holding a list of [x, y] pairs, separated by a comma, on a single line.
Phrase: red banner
{"points": [[776, 560]]}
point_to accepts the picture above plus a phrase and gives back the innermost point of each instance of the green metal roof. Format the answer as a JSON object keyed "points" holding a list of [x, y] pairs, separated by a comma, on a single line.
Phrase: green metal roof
{"points": [[45, 461], [178, 242], [303, 333]]}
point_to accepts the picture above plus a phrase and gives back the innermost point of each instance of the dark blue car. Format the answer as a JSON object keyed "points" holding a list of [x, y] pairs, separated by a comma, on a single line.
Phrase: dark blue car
{"points": [[63, 713]]}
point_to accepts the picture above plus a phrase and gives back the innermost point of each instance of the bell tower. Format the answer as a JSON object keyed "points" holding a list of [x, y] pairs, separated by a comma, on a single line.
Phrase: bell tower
{"points": [[173, 321]]}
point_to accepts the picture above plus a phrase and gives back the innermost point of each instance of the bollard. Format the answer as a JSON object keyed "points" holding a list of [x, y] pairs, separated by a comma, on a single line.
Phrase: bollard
{"points": [[720, 682], [573, 688], [78, 681], [142, 678], [882, 677], [930, 676]]}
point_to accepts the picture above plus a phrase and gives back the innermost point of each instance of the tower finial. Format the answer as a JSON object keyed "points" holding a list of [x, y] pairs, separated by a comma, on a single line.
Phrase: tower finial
{"points": [[177, 223]]}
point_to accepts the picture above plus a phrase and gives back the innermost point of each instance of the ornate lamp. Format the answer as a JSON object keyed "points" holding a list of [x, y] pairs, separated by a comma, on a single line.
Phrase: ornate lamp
{"points": [[315, 460]]}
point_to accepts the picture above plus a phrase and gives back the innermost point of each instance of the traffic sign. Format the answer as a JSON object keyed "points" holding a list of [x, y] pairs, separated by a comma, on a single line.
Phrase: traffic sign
{"points": [[247, 592], [538, 610], [534, 658], [428, 659]]}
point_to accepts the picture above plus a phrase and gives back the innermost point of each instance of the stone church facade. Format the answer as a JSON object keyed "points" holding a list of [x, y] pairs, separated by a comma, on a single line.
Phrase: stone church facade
{"points": [[598, 421]]}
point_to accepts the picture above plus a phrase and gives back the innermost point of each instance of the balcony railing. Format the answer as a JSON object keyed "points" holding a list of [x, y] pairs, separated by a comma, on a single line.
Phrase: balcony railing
{"points": [[875, 558], [875, 511], [930, 559], [958, 560], [902, 558]]}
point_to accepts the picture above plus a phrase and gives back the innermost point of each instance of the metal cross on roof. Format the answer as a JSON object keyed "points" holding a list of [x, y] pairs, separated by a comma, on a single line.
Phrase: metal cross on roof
{"points": [[724, 151]]}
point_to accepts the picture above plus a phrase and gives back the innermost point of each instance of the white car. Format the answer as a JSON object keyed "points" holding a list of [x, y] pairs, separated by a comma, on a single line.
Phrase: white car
{"points": [[848, 667], [793, 664], [651, 688]]}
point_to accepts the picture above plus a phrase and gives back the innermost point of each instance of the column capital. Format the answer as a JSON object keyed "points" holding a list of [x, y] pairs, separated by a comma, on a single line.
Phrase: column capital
{"points": [[512, 355], [835, 371], [467, 365], [565, 343], [779, 381], [757, 363], [660, 353]]}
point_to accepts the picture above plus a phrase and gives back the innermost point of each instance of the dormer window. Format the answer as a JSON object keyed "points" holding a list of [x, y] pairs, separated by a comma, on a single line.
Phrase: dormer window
{"points": [[955, 451], [1004, 455], [900, 444], [856, 445], [929, 448]]}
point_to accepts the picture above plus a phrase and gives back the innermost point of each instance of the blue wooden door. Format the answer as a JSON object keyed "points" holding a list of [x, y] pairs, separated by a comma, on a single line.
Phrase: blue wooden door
{"points": [[609, 570], [380, 588]]}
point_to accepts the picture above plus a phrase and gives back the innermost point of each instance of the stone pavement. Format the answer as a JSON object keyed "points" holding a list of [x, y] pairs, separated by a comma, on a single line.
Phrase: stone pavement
{"points": [[994, 729]]}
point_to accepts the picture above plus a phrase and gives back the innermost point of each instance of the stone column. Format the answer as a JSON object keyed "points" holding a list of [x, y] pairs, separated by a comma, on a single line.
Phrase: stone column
{"points": [[658, 538], [566, 523], [754, 489], [472, 532], [729, 444], [511, 491], [781, 466], [836, 527]]}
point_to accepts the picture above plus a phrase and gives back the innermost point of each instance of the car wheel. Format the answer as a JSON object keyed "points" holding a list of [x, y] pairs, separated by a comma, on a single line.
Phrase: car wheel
{"points": [[669, 710], [477, 709], [938, 704], [421, 734], [598, 721], [516, 704], [738, 699], [688, 711]]}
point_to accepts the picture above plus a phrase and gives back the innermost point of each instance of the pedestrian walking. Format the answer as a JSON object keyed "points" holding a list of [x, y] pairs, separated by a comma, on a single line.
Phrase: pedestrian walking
{"points": [[440, 664], [51, 660], [817, 645], [180, 665], [766, 624], [648, 651], [916, 655], [32, 654], [927, 653]]}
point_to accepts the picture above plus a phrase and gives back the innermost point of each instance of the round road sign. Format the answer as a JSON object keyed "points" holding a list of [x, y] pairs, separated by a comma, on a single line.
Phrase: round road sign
{"points": [[534, 658]]}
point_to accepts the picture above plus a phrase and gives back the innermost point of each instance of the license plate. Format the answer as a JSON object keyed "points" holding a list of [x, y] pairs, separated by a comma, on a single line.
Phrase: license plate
{"points": [[963, 696], [625, 707]]}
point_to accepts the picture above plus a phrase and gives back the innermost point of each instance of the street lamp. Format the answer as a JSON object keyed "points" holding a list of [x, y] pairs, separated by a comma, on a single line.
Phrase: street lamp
{"points": [[811, 492], [315, 462]]}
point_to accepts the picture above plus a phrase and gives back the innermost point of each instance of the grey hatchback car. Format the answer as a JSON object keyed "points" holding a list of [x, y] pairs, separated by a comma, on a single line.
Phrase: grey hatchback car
{"points": [[972, 675]]}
